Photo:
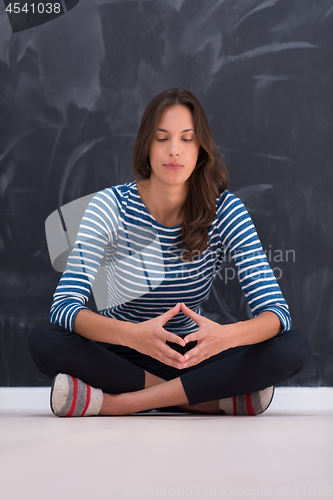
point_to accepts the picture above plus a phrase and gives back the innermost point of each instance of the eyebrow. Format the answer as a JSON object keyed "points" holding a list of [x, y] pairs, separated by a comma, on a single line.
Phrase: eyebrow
{"points": [[182, 132]]}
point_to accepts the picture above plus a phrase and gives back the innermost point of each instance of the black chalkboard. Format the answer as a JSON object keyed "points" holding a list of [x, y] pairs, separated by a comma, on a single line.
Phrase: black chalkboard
{"points": [[72, 92]]}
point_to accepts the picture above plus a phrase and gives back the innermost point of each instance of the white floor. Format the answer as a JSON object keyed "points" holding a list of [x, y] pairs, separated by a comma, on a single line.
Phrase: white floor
{"points": [[287, 451]]}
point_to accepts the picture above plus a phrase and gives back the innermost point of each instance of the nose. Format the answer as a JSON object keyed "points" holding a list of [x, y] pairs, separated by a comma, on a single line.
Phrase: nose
{"points": [[174, 151]]}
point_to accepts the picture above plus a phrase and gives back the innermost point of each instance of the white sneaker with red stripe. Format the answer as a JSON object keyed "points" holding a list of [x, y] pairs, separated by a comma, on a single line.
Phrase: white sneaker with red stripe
{"points": [[70, 397], [253, 403]]}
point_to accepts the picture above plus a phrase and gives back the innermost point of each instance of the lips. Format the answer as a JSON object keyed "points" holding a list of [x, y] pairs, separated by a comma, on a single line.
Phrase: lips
{"points": [[173, 166]]}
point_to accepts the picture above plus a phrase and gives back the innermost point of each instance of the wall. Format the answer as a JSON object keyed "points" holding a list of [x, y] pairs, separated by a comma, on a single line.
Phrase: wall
{"points": [[72, 92]]}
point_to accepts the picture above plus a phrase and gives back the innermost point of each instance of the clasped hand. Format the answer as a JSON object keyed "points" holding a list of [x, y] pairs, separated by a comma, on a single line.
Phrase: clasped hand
{"points": [[150, 338]]}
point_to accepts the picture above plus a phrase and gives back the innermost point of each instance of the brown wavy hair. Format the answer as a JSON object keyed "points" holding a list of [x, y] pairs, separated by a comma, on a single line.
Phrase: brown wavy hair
{"points": [[208, 179]]}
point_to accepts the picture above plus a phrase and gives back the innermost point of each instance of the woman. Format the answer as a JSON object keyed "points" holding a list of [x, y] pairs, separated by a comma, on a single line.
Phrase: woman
{"points": [[163, 239]]}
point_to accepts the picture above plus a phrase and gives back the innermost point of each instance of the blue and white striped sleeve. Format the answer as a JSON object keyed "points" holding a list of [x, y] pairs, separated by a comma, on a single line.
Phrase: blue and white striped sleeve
{"points": [[256, 278], [97, 231]]}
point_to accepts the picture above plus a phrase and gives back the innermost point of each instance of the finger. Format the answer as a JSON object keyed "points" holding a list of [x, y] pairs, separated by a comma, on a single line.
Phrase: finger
{"points": [[191, 314], [171, 357], [165, 349], [175, 364], [172, 337], [194, 356], [192, 337], [171, 353], [169, 314]]}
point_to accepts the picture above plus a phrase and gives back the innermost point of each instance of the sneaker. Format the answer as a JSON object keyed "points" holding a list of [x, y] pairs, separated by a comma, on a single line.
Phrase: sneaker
{"points": [[70, 397], [253, 403]]}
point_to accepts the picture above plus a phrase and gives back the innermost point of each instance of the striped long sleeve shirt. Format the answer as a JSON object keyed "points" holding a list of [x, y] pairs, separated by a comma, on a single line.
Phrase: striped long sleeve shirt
{"points": [[142, 266]]}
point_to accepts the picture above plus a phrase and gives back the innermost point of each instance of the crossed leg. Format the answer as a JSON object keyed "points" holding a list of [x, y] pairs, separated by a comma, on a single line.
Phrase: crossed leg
{"points": [[129, 386], [156, 394]]}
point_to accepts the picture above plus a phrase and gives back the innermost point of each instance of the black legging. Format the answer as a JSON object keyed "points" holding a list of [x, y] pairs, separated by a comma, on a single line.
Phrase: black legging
{"points": [[117, 369]]}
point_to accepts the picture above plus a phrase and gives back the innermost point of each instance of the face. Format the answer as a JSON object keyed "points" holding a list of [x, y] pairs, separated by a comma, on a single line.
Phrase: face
{"points": [[174, 148]]}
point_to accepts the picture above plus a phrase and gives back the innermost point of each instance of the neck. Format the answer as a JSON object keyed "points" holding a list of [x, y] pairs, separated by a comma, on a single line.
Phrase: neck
{"points": [[164, 202]]}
